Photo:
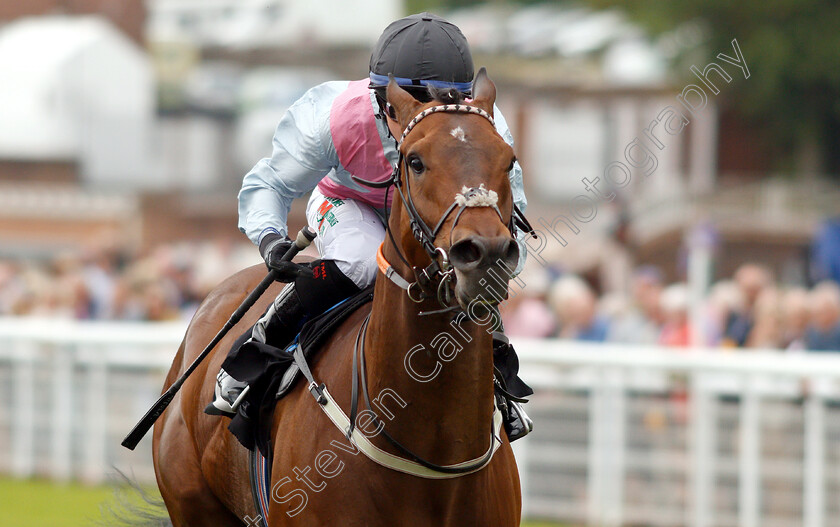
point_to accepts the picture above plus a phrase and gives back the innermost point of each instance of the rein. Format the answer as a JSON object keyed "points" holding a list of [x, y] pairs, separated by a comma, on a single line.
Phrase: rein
{"points": [[415, 466]]}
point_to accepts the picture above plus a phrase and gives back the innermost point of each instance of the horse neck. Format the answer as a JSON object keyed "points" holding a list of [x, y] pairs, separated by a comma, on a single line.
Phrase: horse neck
{"points": [[448, 416]]}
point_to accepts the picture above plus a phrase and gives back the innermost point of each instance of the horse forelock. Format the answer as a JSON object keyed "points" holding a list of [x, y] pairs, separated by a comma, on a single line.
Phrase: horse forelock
{"points": [[447, 95]]}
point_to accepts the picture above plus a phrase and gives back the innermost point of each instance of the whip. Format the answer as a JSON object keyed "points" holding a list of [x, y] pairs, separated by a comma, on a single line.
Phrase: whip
{"points": [[302, 241]]}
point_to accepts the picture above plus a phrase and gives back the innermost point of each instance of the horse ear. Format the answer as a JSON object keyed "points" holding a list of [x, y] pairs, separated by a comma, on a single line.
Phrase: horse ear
{"points": [[484, 91], [403, 103]]}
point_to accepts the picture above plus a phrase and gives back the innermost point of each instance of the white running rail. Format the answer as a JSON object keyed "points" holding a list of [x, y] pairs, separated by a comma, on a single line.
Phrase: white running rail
{"points": [[624, 435], [654, 436]]}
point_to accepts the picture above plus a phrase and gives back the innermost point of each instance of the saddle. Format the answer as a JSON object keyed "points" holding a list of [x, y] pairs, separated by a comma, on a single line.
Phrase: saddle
{"points": [[272, 372]]}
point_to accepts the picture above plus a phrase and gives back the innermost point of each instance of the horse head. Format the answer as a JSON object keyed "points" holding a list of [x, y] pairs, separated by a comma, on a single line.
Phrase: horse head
{"points": [[454, 178]]}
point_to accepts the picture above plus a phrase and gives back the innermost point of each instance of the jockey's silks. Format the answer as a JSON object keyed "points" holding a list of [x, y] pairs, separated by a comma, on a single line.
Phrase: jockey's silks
{"points": [[326, 136]]}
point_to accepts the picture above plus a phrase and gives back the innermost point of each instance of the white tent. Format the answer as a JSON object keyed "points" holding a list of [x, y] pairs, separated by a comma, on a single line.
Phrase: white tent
{"points": [[75, 88]]}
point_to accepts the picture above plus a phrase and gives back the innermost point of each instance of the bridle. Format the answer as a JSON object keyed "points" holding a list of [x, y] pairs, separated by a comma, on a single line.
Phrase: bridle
{"points": [[435, 280]]}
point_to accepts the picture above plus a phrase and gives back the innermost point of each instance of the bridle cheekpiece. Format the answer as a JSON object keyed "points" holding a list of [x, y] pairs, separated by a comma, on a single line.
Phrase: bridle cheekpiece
{"points": [[439, 269]]}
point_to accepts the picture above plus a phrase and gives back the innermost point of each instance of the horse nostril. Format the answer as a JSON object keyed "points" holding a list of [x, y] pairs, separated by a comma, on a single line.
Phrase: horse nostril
{"points": [[511, 253], [477, 251], [468, 253]]}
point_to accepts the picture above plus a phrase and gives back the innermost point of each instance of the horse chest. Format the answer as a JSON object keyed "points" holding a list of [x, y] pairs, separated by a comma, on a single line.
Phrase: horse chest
{"points": [[342, 487]]}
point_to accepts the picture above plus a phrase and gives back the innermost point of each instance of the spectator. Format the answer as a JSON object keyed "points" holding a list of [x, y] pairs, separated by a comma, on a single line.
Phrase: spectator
{"points": [[795, 316], [525, 313], [574, 305], [641, 322], [10, 287], [825, 252], [724, 301], [676, 330], [767, 330], [751, 280], [824, 331], [100, 276]]}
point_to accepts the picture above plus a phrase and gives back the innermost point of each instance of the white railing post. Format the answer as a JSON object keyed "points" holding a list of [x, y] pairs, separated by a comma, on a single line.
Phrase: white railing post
{"points": [[597, 452], [749, 467], [61, 422], [813, 478], [23, 410], [95, 459], [702, 449], [615, 421]]}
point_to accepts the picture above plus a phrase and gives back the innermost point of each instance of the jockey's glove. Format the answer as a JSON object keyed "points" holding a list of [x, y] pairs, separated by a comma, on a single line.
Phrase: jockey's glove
{"points": [[272, 248]]}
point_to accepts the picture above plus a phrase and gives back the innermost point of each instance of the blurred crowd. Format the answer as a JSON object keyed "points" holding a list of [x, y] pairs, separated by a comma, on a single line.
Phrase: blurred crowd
{"points": [[750, 310], [166, 283]]}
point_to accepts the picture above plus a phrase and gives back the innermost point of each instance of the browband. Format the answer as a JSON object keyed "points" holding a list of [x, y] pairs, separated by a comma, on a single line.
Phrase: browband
{"points": [[450, 108]]}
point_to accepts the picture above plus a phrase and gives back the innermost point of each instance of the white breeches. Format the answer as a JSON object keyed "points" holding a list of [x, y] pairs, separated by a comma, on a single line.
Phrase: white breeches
{"points": [[349, 232]]}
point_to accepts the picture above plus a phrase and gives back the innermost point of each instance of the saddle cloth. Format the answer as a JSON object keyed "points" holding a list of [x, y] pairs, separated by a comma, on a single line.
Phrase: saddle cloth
{"points": [[271, 372]]}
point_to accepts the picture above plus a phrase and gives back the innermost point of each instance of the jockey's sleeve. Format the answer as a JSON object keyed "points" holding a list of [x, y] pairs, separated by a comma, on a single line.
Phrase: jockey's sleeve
{"points": [[302, 155], [516, 185]]}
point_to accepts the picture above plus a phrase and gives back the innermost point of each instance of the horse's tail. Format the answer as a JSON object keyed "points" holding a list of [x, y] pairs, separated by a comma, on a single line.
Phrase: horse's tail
{"points": [[132, 506]]}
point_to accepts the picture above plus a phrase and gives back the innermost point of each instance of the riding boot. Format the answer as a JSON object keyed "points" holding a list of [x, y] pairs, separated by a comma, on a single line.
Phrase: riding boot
{"points": [[510, 389], [308, 296], [279, 325]]}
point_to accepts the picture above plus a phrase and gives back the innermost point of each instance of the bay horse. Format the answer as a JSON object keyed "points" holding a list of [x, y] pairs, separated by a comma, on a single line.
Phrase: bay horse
{"points": [[430, 377]]}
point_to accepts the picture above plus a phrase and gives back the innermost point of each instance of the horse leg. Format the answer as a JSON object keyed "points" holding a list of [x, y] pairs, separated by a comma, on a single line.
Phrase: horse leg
{"points": [[202, 473], [185, 492]]}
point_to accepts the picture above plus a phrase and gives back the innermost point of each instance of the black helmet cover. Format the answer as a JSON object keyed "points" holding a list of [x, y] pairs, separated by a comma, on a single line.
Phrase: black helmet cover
{"points": [[422, 50]]}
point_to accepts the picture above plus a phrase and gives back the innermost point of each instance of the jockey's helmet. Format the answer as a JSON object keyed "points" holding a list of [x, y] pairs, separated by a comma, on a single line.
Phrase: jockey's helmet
{"points": [[419, 51]]}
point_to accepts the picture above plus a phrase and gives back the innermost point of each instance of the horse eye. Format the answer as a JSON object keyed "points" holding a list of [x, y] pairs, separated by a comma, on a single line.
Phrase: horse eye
{"points": [[512, 161], [416, 164]]}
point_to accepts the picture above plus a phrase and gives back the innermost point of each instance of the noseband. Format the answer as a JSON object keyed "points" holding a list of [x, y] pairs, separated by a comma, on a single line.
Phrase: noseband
{"points": [[439, 269]]}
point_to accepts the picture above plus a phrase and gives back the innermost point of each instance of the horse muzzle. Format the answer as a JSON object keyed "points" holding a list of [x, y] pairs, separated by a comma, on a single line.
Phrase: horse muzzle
{"points": [[483, 267]]}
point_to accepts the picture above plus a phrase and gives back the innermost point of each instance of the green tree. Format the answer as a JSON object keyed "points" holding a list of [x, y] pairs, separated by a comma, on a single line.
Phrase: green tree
{"points": [[792, 48]]}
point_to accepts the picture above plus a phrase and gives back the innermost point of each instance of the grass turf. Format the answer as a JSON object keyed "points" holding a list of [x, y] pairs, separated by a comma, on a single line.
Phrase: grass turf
{"points": [[35, 503], [38, 503]]}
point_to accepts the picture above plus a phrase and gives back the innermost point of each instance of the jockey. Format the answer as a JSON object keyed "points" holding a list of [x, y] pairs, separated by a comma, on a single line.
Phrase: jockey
{"points": [[334, 130]]}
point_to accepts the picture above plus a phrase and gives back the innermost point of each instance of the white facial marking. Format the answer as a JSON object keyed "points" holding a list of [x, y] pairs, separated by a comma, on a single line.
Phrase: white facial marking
{"points": [[458, 133], [476, 197]]}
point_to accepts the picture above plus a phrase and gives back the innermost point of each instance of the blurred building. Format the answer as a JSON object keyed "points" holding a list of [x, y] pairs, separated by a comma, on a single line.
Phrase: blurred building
{"points": [[129, 16], [249, 24], [107, 141], [78, 93], [582, 89], [78, 111]]}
